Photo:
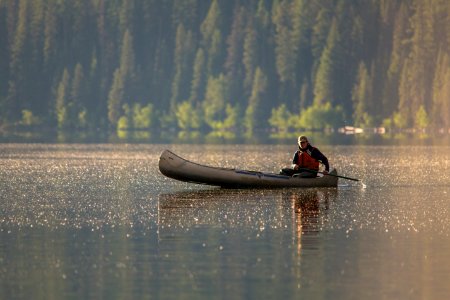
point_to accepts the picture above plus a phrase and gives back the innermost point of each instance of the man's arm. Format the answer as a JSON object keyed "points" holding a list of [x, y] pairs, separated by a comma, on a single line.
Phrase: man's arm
{"points": [[322, 158], [295, 159]]}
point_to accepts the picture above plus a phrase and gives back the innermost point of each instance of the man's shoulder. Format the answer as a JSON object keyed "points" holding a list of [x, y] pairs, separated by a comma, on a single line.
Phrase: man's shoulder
{"points": [[315, 150]]}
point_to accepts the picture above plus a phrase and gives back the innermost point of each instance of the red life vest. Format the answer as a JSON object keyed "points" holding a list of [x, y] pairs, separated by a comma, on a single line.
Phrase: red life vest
{"points": [[306, 161]]}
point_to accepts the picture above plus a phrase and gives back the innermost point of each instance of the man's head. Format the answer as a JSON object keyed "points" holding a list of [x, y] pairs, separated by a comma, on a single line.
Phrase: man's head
{"points": [[302, 142]]}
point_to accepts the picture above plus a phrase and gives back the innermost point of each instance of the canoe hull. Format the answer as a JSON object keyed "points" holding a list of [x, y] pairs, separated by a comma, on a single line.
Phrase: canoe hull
{"points": [[173, 166]]}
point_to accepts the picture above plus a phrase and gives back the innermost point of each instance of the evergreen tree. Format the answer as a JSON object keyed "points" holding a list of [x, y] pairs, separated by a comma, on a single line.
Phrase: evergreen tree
{"points": [[188, 117], [249, 58], [198, 77], [62, 95], [212, 37], [18, 61], [4, 63], [214, 104], [183, 53], [371, 58], [405, 89], [233, 61], [362, 98], [301, 37], [254, 114], [321, 28], [285, 56], [116, 98], [122, 83], [324, 89], [78, 96], [440, 115], [305, 94], [421, 57], [397, 56]]}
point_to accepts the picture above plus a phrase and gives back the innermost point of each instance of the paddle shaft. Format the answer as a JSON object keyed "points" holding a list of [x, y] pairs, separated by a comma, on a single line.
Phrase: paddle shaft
{"points": [[312, 171]]}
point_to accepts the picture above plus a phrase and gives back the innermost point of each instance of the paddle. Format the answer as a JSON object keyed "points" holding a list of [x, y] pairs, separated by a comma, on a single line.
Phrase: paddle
{"points": [[312, 171]]}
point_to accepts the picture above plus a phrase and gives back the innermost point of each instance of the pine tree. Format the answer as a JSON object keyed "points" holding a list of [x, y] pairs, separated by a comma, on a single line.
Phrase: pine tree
{"points": [[249, 58], [404, 92], [182, 57], [234, 43], [324, 89], [198, 77], [214, 104], [116, 98], [254, 114], [50, 31], [321, 28], [284, 48], [122, 86], [422, 53], [62, 95], [18, 62], [398, 54], [212, 37], [78, 96], [302, 21], [362, 98], [440, 114]]}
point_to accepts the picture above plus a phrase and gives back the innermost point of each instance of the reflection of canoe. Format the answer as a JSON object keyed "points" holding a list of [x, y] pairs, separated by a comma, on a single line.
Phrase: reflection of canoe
{"points": [[178, 168]]}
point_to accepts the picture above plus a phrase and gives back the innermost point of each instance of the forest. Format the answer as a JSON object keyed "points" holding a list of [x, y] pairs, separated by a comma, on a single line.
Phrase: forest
{"points": [[224, 65]]}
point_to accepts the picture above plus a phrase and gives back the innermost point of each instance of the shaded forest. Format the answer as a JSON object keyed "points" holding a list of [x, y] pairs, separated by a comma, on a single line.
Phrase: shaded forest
{"points": [[241, 65]]}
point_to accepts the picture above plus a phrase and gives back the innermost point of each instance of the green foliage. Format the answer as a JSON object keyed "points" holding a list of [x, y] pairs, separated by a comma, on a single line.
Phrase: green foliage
{"points": [[399, 120], [123, 123], [28, 119], [284, 50], [280, 118], [361, 96], [231, 119], [142, 116], [115, 97], [320, 117], [212, 36], [215, 101], [167, 121], [198, 77], [254, 112], [123, 78], [136, 117], [188, 117], [422, 121], [387, 123], [82, 118], [62, 99], [77, 63], [324, 89], [183, 51]]}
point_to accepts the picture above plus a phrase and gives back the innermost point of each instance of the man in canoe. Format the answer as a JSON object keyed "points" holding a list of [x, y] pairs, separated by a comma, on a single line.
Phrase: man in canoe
{"points": [[306, 160]]}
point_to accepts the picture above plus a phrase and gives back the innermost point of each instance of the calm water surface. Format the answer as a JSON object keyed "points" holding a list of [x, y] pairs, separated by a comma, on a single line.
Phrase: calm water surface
{"points": [[100, 221]]}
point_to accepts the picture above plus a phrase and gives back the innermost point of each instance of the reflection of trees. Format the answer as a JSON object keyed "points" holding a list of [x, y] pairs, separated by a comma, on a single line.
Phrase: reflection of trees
{"points": [[304, 210], [309, 209], [216, 236]]}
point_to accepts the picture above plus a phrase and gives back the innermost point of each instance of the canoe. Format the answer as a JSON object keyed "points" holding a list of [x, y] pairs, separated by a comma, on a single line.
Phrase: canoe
{"points": [[173, 166]]}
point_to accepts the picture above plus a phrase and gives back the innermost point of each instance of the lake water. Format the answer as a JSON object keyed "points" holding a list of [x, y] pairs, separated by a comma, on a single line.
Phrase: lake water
{"points": [[85, 221]]}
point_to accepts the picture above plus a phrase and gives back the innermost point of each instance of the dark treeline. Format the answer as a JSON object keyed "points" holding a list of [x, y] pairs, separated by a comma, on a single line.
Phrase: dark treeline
{"points": [[225, 64]]}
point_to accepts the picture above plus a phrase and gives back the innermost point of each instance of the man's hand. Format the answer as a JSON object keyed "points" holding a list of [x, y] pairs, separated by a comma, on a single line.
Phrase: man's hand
{"points": [[325, 172], [295, 167]]}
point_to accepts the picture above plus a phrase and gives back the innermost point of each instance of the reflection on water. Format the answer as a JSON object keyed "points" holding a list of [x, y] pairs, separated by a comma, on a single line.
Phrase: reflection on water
{"points": [[250, 235], [100, 221], [309, 209]]}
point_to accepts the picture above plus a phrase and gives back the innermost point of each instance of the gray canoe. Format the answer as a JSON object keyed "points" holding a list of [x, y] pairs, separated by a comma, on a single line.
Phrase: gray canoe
{"points": [[173, 166]]}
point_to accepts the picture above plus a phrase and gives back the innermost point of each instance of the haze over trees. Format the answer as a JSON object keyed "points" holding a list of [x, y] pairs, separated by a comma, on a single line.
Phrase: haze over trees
{"points": [[224, 64]]}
